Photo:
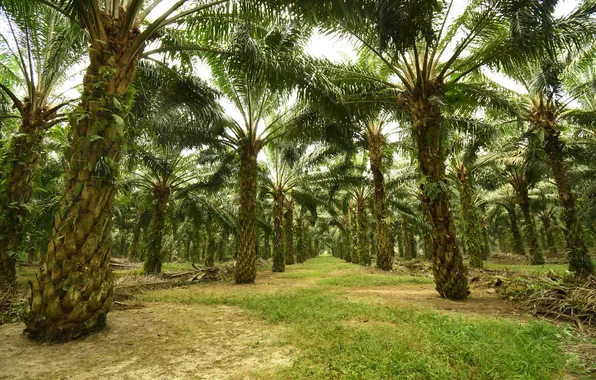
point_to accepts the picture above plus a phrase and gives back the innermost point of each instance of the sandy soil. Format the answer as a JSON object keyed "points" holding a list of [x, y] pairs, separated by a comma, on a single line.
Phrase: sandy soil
{"points": [[199, 342]]}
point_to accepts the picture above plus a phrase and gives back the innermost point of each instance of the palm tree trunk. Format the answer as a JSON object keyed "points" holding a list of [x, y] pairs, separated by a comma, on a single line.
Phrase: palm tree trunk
{"points": [[359, 236], [406, 242], [136, 234], [382, 251], [266, 246], [364, 258], [472, 234], [289, 232], [279, 260], [517, 242], [448, 268], [531, 237], [353, 235], [246, 266], [550, 239], [577, 252], [73, 291], [154, 259], [300, 248], [484, 238], [211, 246], [24, 154]]}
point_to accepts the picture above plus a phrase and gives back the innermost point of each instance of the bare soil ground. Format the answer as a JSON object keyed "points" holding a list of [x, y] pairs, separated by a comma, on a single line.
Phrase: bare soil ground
{"points": [[158, 341]]}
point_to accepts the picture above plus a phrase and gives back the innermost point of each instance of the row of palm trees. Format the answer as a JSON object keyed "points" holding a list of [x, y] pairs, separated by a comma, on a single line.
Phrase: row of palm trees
{"points": [[321, 126]]}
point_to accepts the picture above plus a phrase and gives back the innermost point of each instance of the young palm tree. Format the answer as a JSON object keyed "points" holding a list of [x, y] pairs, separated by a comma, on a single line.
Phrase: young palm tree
{"points": [[522, 175], [465, 163], [36, 53], [165, 173]]}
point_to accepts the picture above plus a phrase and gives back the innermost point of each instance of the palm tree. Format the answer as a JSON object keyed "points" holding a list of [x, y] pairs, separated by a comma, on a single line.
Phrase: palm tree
{"points": [[414, 42], [522, 174], [547, 107], [509, 204], [376, 136], [465, 163], [289, 173], [256, 78], [165, 173], [117, 33], [36, 54]]}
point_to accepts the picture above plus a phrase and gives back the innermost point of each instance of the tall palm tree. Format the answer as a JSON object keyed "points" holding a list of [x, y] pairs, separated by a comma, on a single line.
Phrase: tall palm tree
{"points": [[263, 65], [73, 293], [37, 52], [288, 175], [547, 107], [376, 137], [522, 173], [414, 40]]}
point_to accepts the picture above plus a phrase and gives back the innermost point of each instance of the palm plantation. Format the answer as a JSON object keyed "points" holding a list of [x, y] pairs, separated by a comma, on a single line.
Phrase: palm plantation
{"points": [[326, 175], [40, 46]]}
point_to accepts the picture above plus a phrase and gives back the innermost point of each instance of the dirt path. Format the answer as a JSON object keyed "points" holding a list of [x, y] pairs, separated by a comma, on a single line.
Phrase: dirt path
{"points": [[158, 341]]}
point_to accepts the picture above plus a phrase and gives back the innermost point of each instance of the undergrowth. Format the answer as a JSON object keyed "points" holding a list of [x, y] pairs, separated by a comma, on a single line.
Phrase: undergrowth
{"points": [[338, 338]]}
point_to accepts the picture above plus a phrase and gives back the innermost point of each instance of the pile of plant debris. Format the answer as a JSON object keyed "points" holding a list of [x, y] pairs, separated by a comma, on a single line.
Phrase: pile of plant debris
{"points": [[554, 297], [510, 259], [12, 304]]}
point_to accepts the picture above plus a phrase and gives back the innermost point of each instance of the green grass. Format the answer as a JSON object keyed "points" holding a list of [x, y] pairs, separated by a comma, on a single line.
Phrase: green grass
{"points": [[339, 338], [363, 279], [532, 270]]}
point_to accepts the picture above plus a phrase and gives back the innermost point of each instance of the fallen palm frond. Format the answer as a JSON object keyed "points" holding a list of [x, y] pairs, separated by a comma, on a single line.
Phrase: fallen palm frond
{"points": [[555, 299], [124, 264]]}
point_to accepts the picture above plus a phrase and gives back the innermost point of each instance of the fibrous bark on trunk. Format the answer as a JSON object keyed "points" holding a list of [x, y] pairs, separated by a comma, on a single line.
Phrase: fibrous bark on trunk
{"points": [[381, 241], [530, 228], [22, 158], [472, 234], [246, 266], [577, 252], [448, 267], [353, 233], [406, 242], [301, 253], [279, 259], [517, 242], [289, 232], [154, 260], [73, 290], [550, 239]]}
